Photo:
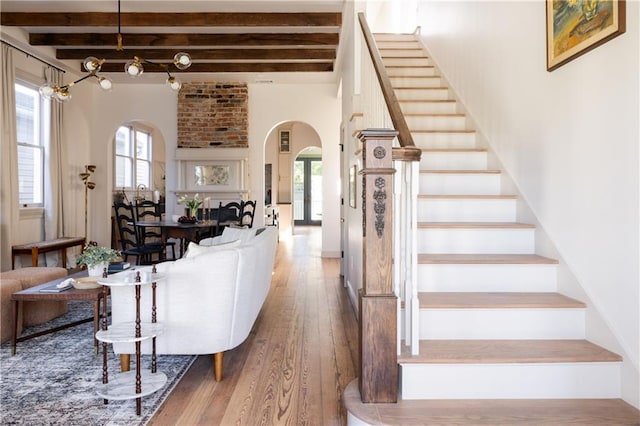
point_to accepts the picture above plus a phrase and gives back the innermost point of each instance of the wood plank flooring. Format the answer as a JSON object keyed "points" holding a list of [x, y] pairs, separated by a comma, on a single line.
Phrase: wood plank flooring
{"points": [[296, 363]]}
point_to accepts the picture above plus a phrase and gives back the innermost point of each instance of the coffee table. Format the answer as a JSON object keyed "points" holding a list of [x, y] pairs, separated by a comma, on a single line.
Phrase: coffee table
{"points": [[34, 294]]}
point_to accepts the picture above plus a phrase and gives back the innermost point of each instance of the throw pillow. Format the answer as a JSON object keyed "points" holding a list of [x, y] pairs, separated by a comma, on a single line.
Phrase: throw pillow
{"points": [[196, 250], [242, 234]]}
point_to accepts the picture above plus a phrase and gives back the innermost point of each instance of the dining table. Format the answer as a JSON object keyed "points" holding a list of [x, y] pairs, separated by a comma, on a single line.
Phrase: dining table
{"points": [[184, 232]]}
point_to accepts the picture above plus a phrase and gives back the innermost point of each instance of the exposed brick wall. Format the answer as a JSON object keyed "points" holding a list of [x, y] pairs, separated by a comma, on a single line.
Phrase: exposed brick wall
{"points": [[213, 114]]}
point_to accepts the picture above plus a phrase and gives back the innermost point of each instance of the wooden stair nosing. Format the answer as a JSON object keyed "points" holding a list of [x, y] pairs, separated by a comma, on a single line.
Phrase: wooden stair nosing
{"points": [[497, 300], [484, 259], [507, 352], [475, 225]]}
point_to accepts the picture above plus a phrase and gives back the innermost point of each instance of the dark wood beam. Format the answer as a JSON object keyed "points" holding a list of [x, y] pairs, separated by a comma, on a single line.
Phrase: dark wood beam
{"points": [[229, 67], [91, 19], [175, 40], [199, 54]]}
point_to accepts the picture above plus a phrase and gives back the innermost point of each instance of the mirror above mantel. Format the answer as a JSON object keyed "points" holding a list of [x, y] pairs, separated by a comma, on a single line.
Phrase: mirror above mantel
{"points": [[218, 173]]}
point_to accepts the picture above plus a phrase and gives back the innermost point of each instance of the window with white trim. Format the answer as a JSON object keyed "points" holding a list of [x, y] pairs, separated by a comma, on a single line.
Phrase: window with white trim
{"points": [[30, 125], [133, 157]]}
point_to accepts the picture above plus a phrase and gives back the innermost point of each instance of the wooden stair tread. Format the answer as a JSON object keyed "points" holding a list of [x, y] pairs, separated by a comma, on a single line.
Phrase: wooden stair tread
{"points": [[427, 101], [408, 66], [443, 131], [421, 88], [432, 150], [489, 259], [448, 412], [499, 300], [507, 351], [469, 196], [420, 114], [457, 172], [475, 225]]}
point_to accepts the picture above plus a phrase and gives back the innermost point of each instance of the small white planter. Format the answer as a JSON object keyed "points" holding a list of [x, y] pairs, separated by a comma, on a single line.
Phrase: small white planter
{"points": [[96, 270]]}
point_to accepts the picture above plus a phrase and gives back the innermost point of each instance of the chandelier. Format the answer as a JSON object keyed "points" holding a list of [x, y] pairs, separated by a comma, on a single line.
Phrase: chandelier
{"points": [[133, 68]]}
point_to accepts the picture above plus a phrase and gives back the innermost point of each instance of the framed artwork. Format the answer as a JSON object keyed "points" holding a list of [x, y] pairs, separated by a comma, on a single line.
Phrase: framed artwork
{"points": [[285, 140], [212, 175], [353, 171], [574, 27]]}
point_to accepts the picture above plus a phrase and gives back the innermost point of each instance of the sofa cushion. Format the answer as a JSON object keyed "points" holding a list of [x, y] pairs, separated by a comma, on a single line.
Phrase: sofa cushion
{"points": [[243, 234], [8, 286], [33, 313], [34, 275], [198, 249]]}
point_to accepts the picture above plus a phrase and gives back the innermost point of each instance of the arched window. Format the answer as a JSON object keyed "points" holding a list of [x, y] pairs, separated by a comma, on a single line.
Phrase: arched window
{"points": [[133, 157]]}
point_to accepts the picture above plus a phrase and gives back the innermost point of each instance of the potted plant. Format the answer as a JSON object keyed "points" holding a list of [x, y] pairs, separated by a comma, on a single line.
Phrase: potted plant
{"points": [[96, 258]]}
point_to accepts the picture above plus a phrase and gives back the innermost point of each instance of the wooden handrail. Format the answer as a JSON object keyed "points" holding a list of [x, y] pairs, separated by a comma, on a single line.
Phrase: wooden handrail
{"points": [[397, 117]]}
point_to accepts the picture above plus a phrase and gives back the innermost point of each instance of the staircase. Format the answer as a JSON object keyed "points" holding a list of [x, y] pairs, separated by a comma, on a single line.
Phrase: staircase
{"points": [[498, 343]]}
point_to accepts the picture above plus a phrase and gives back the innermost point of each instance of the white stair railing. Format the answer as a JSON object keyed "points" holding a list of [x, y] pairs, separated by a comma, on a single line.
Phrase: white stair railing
{"points": [[376, 115]]}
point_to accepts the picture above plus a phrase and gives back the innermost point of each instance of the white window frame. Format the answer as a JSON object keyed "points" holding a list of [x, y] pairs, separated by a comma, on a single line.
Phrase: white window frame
{"points": [[132, 157], [41, 128]]}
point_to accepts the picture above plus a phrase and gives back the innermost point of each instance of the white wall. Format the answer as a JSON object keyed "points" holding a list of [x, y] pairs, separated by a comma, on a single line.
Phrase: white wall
{"points": [[568, 139], [319, 107]]}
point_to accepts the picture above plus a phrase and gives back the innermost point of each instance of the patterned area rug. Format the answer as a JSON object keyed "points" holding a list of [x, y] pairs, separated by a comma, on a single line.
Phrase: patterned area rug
{"points": [[51, 380]]}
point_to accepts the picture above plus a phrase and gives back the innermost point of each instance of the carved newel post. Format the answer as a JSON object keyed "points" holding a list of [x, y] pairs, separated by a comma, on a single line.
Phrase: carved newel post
{"points": [[378, 304]]}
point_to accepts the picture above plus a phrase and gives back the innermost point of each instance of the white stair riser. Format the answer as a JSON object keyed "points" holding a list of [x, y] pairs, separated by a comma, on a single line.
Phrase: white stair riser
{"points": [[467, 210], [413, 71], [510, 381], [406, 62], [473, 160], [436, 107], [445, 140], [502, 323], [436, 122], [384, 44], [472, 240], [403, 52], [489, 278], [427, 94], [432, 81], [459, 184]]}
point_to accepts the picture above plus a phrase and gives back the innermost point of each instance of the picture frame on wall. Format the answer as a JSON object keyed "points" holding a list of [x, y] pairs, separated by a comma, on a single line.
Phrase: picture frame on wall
{"points": [[285, 141], [574, 27]]}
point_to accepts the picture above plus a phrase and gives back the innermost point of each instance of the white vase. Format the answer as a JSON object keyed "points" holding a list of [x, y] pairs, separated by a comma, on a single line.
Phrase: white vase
{"points": [[96, 270]]}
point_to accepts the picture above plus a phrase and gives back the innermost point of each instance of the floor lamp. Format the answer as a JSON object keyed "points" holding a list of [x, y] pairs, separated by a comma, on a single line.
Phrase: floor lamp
{"points": [[88, 169]]}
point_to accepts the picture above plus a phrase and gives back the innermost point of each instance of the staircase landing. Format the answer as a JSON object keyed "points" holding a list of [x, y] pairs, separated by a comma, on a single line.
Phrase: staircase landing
{"points": [[490, 411]]}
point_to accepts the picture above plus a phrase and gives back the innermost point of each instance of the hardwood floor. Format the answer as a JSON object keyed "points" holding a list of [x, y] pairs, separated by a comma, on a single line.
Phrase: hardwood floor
{"points": [[296, 363]]}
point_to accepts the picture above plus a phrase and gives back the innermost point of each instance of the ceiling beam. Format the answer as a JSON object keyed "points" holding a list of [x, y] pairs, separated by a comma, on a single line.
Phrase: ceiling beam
{"points": [[90, 19], [228, 67], [176, 40], [199, 54]]}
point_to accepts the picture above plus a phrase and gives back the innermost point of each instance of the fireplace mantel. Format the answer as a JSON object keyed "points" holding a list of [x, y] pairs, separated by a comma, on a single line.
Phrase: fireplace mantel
{"points": [[218, 173]]}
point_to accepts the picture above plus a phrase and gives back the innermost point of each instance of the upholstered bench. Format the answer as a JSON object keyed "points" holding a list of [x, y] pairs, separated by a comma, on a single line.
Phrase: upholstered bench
{"points": [[33, 313]]}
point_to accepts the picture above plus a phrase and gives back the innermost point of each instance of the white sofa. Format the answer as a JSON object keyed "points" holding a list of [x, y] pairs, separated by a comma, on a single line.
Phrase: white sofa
{"points": [[210, 298]]}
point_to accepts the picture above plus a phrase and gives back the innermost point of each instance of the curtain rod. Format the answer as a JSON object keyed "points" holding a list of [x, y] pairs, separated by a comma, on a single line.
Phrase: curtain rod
{"points": [[32, 55]]}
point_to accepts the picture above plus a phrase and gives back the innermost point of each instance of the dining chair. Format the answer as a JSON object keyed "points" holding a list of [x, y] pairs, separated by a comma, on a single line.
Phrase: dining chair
{"points": [[247, 212], [227, 214], [130, 244], [147, 210]]}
